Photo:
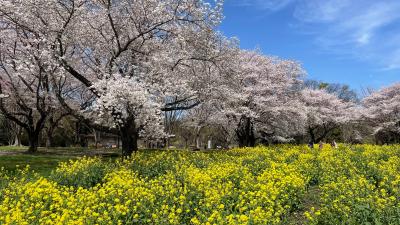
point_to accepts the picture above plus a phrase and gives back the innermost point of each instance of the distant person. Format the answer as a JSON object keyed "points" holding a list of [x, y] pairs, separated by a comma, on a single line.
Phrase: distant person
{"points": [[321, 145], [333, 144], [311, 144]]}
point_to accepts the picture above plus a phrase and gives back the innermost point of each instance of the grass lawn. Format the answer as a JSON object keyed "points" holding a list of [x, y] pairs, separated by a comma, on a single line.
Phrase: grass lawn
{"points": [[42, 164], [13, 148], [45, 160]]}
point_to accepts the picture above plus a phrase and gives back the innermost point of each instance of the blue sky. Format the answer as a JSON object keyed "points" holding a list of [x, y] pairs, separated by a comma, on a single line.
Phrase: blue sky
{"points": [[356, 42]]}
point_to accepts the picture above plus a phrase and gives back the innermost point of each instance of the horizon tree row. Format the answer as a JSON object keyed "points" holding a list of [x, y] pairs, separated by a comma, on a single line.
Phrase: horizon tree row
{"points": [[126, 66]]}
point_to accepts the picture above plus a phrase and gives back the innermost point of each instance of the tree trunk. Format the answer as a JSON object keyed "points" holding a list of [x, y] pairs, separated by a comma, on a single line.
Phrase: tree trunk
{"points": [[312, 135], [198, 142], [129, 137], [245, 133], [197, 137], [17, 140], [33, 141], [95, 139], [322, 132], [49, 141], [186, 143], [327, 130], [17, 137], [167, 143], [50, 138], [78, 138]]}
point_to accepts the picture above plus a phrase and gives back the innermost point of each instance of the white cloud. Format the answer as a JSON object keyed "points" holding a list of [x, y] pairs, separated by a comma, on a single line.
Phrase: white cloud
{"points": [[272, 5], [321, 11], [355, 28], [362, 29]]}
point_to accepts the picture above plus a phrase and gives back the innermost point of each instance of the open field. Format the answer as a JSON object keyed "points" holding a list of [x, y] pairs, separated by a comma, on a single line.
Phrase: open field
{"points": [[220, 112], [13, 148], [46, 159], [263, 185], [39, 163]]}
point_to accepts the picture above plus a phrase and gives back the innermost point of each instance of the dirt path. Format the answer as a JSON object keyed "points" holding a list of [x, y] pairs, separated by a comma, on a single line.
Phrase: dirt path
{"points": [[311, 199], [11, 153]]}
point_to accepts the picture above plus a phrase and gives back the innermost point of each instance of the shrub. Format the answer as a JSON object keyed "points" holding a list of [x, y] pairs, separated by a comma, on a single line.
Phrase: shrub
{"points": [[84, 172]]}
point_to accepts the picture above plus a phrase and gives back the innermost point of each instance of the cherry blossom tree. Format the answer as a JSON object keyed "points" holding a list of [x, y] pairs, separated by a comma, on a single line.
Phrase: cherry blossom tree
{"points": [[382, 109], [325, 112], [133, 55], [261, 97], [126, 64], [26, 96], [199, 118]]}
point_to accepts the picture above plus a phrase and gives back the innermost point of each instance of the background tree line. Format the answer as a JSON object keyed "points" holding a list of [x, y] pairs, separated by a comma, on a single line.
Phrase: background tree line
{"points": [[159, 72]]}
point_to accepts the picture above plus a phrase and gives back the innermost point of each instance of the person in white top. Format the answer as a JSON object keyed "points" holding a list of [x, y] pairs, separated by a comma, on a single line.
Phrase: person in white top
{"points": [[333, 144]]}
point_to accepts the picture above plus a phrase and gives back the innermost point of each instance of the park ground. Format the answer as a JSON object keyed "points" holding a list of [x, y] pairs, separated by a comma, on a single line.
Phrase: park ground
{"points": [[283, 184], [47, 159]]}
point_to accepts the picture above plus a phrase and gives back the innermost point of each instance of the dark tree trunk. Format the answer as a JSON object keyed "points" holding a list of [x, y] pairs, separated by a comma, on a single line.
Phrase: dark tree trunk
{"points": [[322, 131], [320, 138], [129, 137], [34, 130], [245, 133], [312, 135], [79, 132], [33, 137]]}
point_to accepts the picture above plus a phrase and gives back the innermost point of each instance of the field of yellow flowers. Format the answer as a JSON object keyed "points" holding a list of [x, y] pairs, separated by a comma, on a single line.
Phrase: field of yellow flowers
{"points": [[263, 185]]}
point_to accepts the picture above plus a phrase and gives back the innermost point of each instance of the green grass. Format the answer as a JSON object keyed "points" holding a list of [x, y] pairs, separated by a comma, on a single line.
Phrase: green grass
{"points": [[311, 199], [13, 148], [42, 164], [46, 159], [51, 149]]}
